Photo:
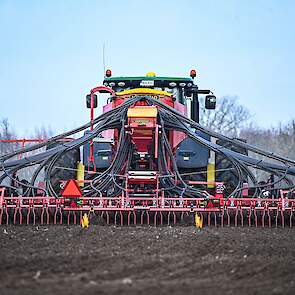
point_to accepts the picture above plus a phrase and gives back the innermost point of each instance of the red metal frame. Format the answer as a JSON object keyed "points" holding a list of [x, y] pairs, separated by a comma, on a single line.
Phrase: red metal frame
{"points": [[155, 209], [146, 210]]}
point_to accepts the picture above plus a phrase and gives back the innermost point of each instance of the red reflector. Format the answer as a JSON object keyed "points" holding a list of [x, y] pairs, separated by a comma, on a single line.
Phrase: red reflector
{"points": [[193, 73], [108, 73]]}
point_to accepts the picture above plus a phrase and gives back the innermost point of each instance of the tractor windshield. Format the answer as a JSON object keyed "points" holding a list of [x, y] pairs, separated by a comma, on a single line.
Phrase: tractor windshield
{"points": [[177, 92]]}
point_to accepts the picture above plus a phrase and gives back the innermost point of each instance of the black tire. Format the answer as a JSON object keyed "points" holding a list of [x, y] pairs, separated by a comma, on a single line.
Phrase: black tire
{"points": [[199, 176], [228, 175], [64, 168]]}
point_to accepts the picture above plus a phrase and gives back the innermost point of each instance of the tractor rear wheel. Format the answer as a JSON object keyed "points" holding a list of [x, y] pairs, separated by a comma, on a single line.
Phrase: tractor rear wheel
{"points": [[225, 172], [64, 168]]}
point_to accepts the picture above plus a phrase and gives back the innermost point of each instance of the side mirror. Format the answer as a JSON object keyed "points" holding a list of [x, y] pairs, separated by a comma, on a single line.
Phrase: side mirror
{"points": [[88, 101], [188, 92], [210, 102]]}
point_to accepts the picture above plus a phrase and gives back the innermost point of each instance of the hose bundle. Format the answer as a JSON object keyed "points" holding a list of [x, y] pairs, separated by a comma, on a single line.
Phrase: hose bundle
{"points": [[111, 182]]}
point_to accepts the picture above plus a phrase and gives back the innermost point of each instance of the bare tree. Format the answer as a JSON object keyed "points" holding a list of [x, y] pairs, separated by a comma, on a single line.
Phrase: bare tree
{"points": [[5, 130], [228, 118], [280, 140], [43, 132], [6, 133]]}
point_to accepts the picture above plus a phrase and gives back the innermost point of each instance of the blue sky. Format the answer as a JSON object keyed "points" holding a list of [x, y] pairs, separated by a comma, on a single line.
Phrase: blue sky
{"points": [[51, 53]]}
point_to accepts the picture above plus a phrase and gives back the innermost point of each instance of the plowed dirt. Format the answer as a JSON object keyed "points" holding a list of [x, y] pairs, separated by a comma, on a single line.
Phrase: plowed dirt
{"points": [[146, 260]]}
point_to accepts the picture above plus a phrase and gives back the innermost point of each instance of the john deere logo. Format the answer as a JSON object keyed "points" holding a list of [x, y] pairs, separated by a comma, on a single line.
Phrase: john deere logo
{"points": [[142, 94], [141, 121]]}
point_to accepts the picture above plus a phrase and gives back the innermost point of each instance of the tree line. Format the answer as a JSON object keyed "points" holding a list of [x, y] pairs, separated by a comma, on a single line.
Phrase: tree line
{"points": [[233, 119]]}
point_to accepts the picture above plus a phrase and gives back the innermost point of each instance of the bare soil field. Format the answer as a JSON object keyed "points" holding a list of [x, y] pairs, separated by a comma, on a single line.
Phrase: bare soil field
{"points": [[146, 260]]}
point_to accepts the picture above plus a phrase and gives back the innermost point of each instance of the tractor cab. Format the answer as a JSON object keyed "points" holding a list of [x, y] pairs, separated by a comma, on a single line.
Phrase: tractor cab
{"points": [[182, 90]]}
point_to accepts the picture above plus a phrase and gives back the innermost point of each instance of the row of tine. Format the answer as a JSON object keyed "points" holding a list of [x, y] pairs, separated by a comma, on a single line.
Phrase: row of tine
{"points": [[226, 217]]}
